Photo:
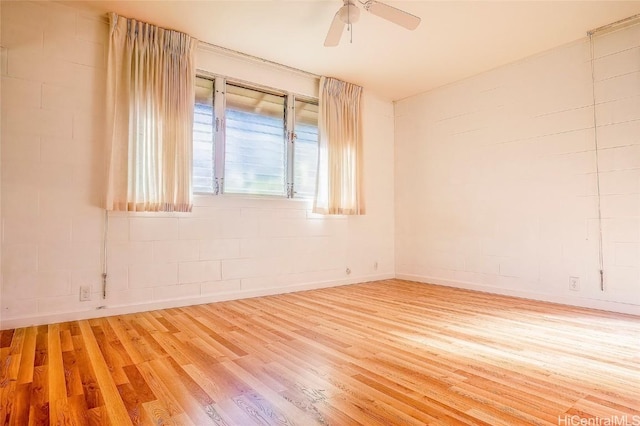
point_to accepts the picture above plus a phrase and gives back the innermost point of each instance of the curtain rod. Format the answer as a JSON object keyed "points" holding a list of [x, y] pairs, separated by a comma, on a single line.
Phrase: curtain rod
{"points": [[231, 52], [616, 25]]}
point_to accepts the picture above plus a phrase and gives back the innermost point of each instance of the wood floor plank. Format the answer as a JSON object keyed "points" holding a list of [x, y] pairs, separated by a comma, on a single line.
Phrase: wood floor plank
{"points": [[279, 408], [383, 353], [73, 382], [186, 395], [78, 411], [235, 412], [207, 382], [6, 336], [21, 404], [133, 403], [161, 389], [157, 412], [90, 387], [39, 397], [66, 342], [58, 404], [143, 392], [119, 327], [116, 410], [27, 357], [40, 357], [7, 402], [98, 416], [111, 357]]}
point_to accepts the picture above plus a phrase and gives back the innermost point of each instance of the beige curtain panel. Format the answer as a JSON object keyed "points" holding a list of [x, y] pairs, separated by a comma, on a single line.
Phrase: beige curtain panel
{"points": [[339, 187], [150, 100]]}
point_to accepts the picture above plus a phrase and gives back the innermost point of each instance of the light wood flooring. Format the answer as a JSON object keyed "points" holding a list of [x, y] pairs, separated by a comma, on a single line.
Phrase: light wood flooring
{"points": [[382, 353]]}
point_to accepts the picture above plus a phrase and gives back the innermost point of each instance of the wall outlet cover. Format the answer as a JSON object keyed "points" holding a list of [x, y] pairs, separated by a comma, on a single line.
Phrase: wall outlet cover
{"points": [[85, 293], [574, 283]]}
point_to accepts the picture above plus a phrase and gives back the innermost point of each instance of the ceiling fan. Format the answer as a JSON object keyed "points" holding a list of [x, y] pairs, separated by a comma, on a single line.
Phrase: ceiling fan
{"points": [[349, 13]]}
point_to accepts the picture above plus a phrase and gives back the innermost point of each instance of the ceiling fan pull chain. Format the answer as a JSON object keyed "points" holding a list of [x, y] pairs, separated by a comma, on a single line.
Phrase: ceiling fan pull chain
{"points": [[349, 24]]}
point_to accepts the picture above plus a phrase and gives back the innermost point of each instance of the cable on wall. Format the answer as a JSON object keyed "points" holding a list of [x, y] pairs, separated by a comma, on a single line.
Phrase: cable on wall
{"points": [[595, 140], [104, 254]]}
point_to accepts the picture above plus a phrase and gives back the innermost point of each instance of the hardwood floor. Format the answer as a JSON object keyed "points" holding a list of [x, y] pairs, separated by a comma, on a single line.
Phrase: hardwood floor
{"points": [[383, 353]]}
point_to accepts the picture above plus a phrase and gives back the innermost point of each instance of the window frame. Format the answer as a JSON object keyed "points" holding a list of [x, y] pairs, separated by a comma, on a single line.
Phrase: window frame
{"points": [[294, 141], [219, 134], [213, 148]]}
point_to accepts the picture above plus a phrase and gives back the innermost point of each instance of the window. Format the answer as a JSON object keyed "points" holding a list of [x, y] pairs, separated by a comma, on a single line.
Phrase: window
{"points": [[255, 159], [252, 141]]}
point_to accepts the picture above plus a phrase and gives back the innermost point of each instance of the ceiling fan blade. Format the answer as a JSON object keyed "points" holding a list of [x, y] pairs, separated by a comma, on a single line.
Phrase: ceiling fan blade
{"points": [[335, 31], [392, 14]]}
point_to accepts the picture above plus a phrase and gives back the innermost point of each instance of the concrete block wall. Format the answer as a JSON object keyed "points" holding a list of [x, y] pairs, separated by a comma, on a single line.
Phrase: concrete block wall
{"points": [[52, 89], [496, 185], [52, 163]]}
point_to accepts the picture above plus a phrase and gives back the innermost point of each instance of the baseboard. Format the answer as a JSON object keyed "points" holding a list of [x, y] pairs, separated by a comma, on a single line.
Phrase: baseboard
{"points": [[177, 303], [583, 302], [624, 308]]}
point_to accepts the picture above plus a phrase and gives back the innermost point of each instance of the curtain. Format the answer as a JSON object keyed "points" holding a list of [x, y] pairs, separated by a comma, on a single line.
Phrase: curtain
{"points": [[339, 185], [150, 101]]}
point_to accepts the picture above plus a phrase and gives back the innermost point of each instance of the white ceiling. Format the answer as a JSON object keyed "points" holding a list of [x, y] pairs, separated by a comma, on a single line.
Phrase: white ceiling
{"points": [[455, 40]]}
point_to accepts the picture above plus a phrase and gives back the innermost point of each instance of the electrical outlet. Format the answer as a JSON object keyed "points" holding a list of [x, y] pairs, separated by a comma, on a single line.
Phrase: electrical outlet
{"points": [[85, 293], [574, 283]]}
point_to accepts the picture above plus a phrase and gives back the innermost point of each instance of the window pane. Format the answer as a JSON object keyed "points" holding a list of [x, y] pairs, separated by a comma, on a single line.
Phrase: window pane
{"points": [[203, 133], [255, 153], [305, 163]]}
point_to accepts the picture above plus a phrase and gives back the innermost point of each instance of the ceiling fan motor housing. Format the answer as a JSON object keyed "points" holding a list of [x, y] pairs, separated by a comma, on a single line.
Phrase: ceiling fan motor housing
{"points": [[349, 13]]}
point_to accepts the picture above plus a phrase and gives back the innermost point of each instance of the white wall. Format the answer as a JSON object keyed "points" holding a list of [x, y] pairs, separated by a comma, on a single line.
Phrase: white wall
{"points": [[496, 184], [52, 75], [53, 79]]}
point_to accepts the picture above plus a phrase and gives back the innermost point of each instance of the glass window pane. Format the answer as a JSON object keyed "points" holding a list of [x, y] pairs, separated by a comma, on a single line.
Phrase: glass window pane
{"points": [[255, 152], [305, 163], [203, 135]]}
